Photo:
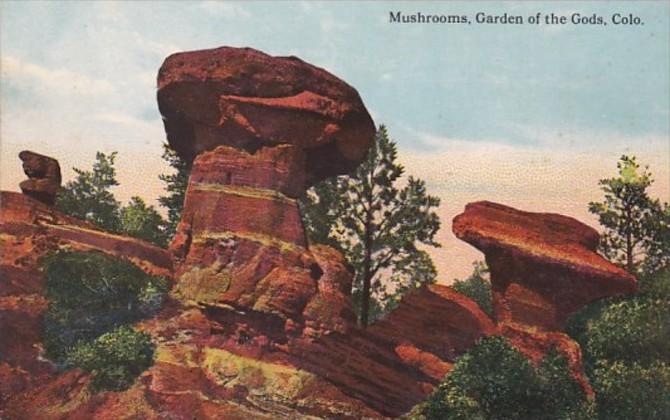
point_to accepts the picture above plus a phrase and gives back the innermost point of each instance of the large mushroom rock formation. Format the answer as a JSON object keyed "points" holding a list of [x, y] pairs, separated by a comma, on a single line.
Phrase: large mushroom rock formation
{"points": [[43, 176], [29, 229], [258, 130], [544, 267]]}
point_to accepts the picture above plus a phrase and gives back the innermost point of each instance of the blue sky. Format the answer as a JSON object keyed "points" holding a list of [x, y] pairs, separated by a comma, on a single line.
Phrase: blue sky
{"points": [[519, 114]]}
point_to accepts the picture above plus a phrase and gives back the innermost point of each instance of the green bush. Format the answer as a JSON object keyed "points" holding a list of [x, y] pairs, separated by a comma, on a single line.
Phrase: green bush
{"points": [[91, 293], [627, 391], [477, 287], [115, 358], [494, 381], [625, 344]]}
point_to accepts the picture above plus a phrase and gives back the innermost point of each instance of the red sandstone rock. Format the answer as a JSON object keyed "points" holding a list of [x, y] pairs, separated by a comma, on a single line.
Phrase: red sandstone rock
{"points": [[544, 267], [244, 98], [535, 344], [43, 176], [29, 230], [216, 362]]}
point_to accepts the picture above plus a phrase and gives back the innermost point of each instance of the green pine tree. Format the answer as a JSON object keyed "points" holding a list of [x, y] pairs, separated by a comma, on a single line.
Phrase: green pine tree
{"points": [[634, 223], [377, 221], [88, 196], [144, 222], [176, 184]]}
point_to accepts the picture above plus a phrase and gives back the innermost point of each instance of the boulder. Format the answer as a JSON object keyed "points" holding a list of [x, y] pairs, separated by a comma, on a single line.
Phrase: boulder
{"points": [[44, 177], [243, 98], [543, 266]]}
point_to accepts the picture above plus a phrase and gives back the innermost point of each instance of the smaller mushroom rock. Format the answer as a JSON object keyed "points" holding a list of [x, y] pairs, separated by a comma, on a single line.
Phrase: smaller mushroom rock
{"points": [[43, 174], [544, 266]]}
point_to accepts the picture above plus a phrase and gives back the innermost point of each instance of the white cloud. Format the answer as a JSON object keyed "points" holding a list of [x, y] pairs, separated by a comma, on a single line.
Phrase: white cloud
{"points": [[59, 79]]}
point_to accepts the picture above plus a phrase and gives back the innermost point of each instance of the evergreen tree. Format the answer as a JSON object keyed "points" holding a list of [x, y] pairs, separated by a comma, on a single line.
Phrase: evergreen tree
{"points": [[89, 198], [176, 184], [144, 222], [378, 224], [634, 223], [477, 286]]}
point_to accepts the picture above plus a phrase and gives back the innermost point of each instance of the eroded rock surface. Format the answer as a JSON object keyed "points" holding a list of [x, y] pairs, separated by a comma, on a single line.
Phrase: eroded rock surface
{"points": [[44, 177], [29, 230], [544, 267]]}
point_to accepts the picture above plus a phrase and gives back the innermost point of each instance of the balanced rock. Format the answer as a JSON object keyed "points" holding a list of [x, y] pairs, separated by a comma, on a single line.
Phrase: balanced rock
{"points": [[544, 266], [243, 98], [257, 130], [44, 177]]}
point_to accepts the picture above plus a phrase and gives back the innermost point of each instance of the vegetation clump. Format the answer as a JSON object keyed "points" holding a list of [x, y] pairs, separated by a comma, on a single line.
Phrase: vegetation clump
{"points": [[495, 381], [625, 346], [93, 297], [477, 287], [115, 358]]}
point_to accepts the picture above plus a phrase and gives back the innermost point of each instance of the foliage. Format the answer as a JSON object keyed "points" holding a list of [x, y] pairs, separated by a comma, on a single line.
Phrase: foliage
{"points": [[630, 330], [632, 390], [657, 247], [143, 222], [91, 293], [635, 224], [377, 224], [176, 184], [494, 381], [89, 198], [625, 347], [115, 358], [477, 287]]}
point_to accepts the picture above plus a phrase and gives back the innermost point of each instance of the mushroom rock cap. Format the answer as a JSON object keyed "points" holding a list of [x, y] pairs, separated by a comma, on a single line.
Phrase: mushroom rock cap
{"points": [[247, 99]]}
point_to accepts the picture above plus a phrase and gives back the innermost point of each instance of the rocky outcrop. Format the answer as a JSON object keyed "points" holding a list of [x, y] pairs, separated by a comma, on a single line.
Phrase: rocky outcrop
{"points": [[544, 267], [216, 363], [29, 230], [43, 176], [243, 98]]}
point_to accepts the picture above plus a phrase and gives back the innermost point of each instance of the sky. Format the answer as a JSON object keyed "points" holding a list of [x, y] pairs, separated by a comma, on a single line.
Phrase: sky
{"points": [[526, 115]]}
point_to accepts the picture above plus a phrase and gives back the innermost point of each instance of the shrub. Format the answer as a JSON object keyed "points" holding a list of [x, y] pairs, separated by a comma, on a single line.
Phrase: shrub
{"points": [[477, 287], [91, 293], [115, 358], [627, 391], [625, 346], [494, 381]]}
